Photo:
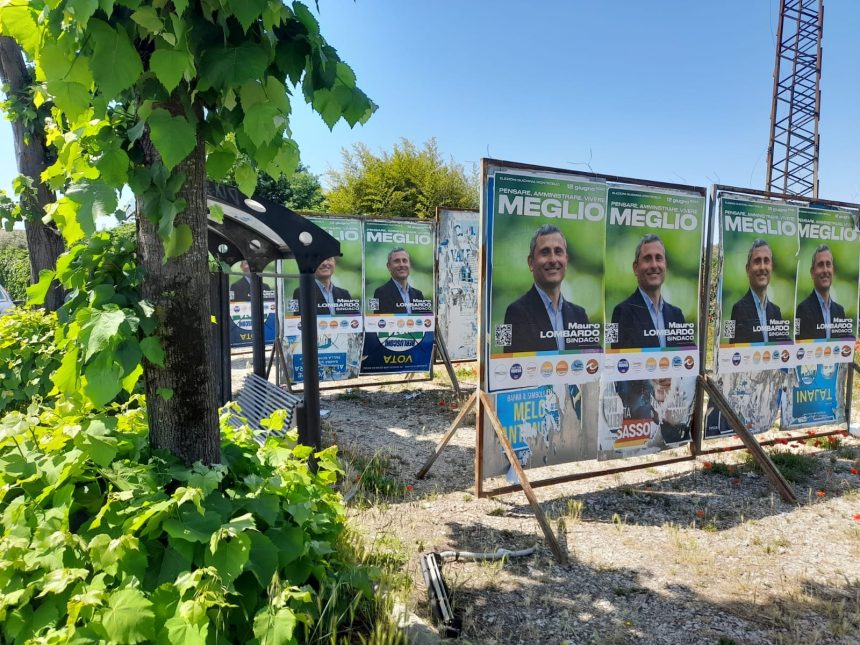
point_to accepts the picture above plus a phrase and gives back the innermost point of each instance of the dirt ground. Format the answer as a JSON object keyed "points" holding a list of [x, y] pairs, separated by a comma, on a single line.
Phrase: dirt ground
{"points": [[697, 552]]}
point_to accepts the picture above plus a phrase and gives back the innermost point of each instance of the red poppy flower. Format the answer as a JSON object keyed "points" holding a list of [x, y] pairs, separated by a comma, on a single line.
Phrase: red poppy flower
{"points": [[408, 488], [820, 493], [358, 478], [707, 465], [700, 513], [854, 471], [441, 404], [783, 441], [809, 433], [857, 517]]}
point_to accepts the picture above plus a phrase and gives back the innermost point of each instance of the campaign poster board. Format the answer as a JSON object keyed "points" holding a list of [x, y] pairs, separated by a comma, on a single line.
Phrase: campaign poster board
{"points": [[546, 425], [241, 333], [653, 253], [525, 348], [644, 416], [457, 282], [755, 396], [398, 330], [339, 294], [817, 396], [745, 343], [832, 272]]}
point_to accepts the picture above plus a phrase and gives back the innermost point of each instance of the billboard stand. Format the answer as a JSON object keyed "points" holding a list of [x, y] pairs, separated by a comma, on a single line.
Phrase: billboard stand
{"points": [[779, 482], [442, 352], [452, 429], [278, 352], [484, 405]]}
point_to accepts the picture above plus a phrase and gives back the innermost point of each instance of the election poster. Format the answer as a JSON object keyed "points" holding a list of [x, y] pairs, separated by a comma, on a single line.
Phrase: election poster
{"points": [[241, 334], [457, 282], [398, 293], [827, 281], [338, 287], [760, 249], [545, 425], [755, 396], [644, 416], [544, 236], [817, 396], [653, 257]]}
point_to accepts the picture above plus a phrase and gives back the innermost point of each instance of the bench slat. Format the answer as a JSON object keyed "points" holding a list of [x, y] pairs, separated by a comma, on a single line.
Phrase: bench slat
{"points": [[258, 399]]}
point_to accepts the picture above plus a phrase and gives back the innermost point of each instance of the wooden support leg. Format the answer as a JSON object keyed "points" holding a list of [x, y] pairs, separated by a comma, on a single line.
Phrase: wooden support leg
{"points": [[467, 406], [557, 551]]}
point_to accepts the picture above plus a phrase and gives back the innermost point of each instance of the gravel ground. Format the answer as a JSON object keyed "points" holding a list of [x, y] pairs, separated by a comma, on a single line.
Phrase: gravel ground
{"points": [[697, 552]]}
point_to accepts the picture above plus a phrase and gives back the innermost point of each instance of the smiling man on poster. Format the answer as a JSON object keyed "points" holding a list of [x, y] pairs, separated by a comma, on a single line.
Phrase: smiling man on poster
{"points": [[819, 316], [397, 296], [645, 319], [756, 318], [541, 319]]}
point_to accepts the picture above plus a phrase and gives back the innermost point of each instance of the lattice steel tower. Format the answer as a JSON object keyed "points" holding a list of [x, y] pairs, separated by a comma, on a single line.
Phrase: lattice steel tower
{"points": [[792, 154]]}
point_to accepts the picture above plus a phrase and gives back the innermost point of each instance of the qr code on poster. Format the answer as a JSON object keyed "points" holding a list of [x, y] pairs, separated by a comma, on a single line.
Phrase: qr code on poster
{"points": [[373, 304], [729, 329], [611, 332], [503, 335], [293, 305]]}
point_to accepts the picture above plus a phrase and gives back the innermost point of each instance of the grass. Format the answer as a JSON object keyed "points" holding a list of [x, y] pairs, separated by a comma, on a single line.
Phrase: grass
{"points": [[375, 477], [794, 467]]}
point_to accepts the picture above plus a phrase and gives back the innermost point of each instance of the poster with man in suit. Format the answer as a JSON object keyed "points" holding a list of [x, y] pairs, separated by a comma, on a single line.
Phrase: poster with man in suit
{"points": [[337, 291], [544, 278], [399, 311], [760, 245], [653, 256]]}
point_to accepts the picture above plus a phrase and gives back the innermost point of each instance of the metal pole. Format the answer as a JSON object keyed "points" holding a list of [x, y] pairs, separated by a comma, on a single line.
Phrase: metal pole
{"points": [[258, 334], [310, 360]]}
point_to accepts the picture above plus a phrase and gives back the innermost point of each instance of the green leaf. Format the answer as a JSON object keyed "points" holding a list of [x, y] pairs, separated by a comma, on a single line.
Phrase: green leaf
{"points": [[151, 348], [129, 617], [113, 167], [263, 559], [192, 526], [100, 330], [56, 581], [103, 380], [102, 450], [262, 123], [169, 65], [148, 18], [19, 23], [246, 178], [165, 393], [115, 63], [182, 632], [274, 628], [221, 160], [216, 213], [72, 98], [83, 10], [66, 377], [36, 293], [178, 242], [229, 66], [247, 11], [229, 556], [173, 136]]}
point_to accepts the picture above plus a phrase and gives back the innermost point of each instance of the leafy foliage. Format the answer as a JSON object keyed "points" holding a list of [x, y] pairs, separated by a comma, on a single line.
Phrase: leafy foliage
{"points": [[406, 182], [108, 327], [29, 354], [15, 271], [104, 540]]}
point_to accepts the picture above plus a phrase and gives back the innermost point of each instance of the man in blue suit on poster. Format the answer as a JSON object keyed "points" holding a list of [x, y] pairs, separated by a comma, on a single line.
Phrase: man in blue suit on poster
{"points": [[819, 316], [541, 319], [645, 319], [756, 318], [397, 296]]}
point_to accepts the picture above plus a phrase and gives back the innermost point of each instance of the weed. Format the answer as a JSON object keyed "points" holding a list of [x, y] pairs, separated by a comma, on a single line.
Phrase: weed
{"points": [[793, 466]]}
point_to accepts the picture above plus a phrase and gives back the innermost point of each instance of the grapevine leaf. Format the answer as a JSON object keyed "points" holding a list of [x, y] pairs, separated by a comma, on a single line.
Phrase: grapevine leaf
{"points": [[216, 213], [169, 65], [36, 293], [165, 393], [179, 630], [19, 22], [83, 10], [153, 351], [221, 159], [172, 136], [263, 559], [261, 123], [115, 63], [178, 241], [246, 178], [229, 556], [66, 377], [113, 166], [57, 580], [129, 617]]}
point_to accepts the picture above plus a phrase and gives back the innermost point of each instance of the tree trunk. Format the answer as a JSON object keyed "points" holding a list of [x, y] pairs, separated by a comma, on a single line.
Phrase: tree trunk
{"points": [[186, 424], [44, 243]]}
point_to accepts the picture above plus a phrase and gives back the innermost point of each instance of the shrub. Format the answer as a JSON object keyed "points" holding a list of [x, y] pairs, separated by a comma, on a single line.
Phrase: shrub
{"points": [[29, 354], [15, 271], [104, 540]]}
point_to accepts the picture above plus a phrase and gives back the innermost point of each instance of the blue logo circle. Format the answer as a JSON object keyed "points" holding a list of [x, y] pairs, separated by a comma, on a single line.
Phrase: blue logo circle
{"points": [[516, 371]]}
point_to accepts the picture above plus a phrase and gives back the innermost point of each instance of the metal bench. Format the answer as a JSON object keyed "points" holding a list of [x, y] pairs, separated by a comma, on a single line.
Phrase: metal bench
{"points": [[258, 399]]}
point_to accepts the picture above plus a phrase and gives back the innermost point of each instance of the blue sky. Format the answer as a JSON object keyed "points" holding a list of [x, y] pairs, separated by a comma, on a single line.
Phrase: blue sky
{"points": [[669, 90]]}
